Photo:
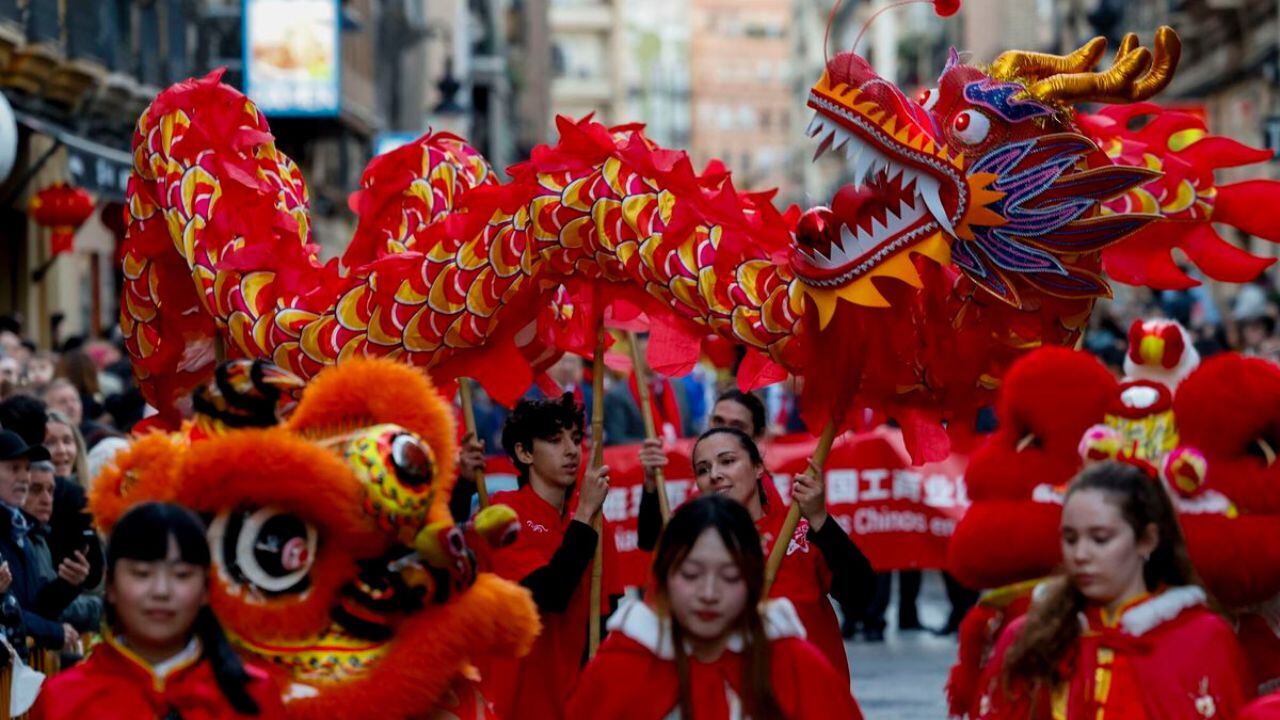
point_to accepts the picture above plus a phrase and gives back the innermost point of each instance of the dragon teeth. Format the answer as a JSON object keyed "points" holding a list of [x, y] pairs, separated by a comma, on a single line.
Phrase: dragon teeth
{"points": [[894, 171], [841, 137], [927, 188]]}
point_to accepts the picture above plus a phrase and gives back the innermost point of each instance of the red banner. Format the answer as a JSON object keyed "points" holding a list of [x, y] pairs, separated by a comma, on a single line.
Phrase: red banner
{"points": [[900, 516]]}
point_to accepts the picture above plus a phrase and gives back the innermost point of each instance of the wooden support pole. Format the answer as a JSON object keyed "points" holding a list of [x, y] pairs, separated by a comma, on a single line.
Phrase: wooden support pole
{"points": [[650, 430], [469, 419], [597, 459]]}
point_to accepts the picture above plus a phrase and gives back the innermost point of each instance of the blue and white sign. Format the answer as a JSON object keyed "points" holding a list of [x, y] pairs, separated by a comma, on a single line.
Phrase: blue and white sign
{"points": [[292, 56], [385, 142]]}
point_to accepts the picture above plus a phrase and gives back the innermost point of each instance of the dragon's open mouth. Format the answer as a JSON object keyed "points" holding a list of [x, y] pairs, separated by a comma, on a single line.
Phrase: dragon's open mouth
{"points": [[906, 195], [888, 206]]}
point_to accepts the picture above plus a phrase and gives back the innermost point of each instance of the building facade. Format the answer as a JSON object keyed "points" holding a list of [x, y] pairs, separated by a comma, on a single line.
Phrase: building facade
{"points": [[586, 60], [656, 69], [740, 88]]}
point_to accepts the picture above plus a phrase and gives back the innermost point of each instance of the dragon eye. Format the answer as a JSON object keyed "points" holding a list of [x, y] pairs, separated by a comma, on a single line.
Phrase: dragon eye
{"points": [[970, 127], [268, 548], [927, 98], [412, 461]]}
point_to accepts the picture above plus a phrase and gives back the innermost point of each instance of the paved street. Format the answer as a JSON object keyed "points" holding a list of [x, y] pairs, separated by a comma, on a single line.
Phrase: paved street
{"points": [[903, 677]]}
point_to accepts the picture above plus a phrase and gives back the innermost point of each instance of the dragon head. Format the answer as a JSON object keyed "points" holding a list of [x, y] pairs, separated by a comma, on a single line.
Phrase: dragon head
{"points": [[335, 561], [988, 170]]}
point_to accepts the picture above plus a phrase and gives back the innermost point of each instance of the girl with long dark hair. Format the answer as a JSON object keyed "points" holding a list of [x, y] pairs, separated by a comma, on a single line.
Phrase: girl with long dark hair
{"points": [[704, 646], [820, 559], [164, 654], [1126, 631]]}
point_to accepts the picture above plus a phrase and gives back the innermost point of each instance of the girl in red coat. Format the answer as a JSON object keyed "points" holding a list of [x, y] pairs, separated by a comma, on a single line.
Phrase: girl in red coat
{"points": [[164, 654], [705, 649], [821, 560], [1126, 632]]}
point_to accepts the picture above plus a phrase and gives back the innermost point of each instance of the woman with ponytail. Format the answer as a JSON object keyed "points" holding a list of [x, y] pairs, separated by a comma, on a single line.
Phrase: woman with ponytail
{"points": [[1126, 631], [705, 647], [164, 655]]}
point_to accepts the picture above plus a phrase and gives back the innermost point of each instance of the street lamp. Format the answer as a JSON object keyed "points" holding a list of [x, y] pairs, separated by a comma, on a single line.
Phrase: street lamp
{"points": [[449, 114]]}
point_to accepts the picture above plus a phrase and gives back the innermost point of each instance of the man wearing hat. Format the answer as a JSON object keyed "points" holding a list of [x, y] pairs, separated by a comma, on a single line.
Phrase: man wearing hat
{"points": [[19, 572]]}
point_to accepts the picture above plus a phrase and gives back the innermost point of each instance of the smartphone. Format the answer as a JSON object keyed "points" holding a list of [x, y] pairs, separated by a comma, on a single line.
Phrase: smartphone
{"points": [[87, 540]]}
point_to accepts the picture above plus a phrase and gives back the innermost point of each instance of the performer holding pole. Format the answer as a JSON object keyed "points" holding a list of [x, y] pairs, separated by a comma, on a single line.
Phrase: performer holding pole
{"points": [[726, 461], [557, 543], [792, 520]]}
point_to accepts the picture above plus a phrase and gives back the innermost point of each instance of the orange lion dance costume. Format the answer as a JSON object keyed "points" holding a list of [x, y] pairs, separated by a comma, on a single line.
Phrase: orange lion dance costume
{"points": [[336, 560]]}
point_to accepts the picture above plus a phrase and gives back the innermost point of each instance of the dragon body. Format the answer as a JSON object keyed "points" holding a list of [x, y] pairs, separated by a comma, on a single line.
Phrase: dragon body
{"points": [[977, 225]]}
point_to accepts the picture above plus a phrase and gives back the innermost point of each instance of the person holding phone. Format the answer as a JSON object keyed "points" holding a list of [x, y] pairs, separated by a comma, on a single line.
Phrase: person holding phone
{"points": [[63, 595]]}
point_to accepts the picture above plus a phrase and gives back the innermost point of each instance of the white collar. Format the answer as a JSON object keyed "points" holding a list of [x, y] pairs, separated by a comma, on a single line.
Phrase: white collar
{"points": [[1160, 609], [182, 658], [1154, 611], [636, 620]]}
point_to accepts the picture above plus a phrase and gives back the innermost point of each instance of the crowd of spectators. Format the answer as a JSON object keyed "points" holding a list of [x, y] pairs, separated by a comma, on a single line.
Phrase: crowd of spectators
{"points": [[63, 413]]}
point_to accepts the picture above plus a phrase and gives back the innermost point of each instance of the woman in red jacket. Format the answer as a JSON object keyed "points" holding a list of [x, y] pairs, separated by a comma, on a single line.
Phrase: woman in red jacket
{"points": [[1126, 631], [164, 654], [705, 648], [821, 560]]}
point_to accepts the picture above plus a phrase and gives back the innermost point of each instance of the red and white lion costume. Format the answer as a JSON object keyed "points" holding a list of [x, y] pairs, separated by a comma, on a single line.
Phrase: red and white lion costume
{"points": [[1209, 428]]}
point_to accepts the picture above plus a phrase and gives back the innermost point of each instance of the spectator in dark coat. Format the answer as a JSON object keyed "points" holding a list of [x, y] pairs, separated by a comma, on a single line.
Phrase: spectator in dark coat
{"points": [[63, 595], [19, 574]]}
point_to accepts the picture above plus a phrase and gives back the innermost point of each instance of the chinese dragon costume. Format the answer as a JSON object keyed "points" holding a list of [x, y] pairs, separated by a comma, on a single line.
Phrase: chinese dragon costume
{"points": [[978, 224], [1207, 429], [336, 563]]}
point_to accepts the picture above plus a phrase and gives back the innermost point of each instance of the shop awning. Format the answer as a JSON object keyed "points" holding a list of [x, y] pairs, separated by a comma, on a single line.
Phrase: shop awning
{"points": [[98, 168]]}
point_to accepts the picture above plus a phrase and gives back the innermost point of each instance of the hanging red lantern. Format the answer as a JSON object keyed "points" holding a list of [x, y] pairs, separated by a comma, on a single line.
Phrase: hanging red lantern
{"points": [[62, 208]]}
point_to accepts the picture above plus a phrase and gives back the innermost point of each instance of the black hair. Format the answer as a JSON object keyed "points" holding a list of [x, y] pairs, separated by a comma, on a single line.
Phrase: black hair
{"points": [[143, 534], [25, 415], [539, 420], [733, 524], [751, 403], [748, 445]]}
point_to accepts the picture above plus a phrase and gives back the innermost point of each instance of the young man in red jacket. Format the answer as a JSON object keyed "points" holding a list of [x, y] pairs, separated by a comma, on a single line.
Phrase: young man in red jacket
{"points": [[551, 557]]}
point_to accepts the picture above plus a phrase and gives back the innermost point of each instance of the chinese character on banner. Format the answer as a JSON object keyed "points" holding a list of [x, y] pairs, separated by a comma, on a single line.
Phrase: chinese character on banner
{"points": [[939, 492], [906, 485], [842, 486], [873, 485]]}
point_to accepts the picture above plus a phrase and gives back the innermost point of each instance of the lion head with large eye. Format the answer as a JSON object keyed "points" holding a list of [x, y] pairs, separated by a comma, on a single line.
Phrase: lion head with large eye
{"points": [[335, 558]]}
